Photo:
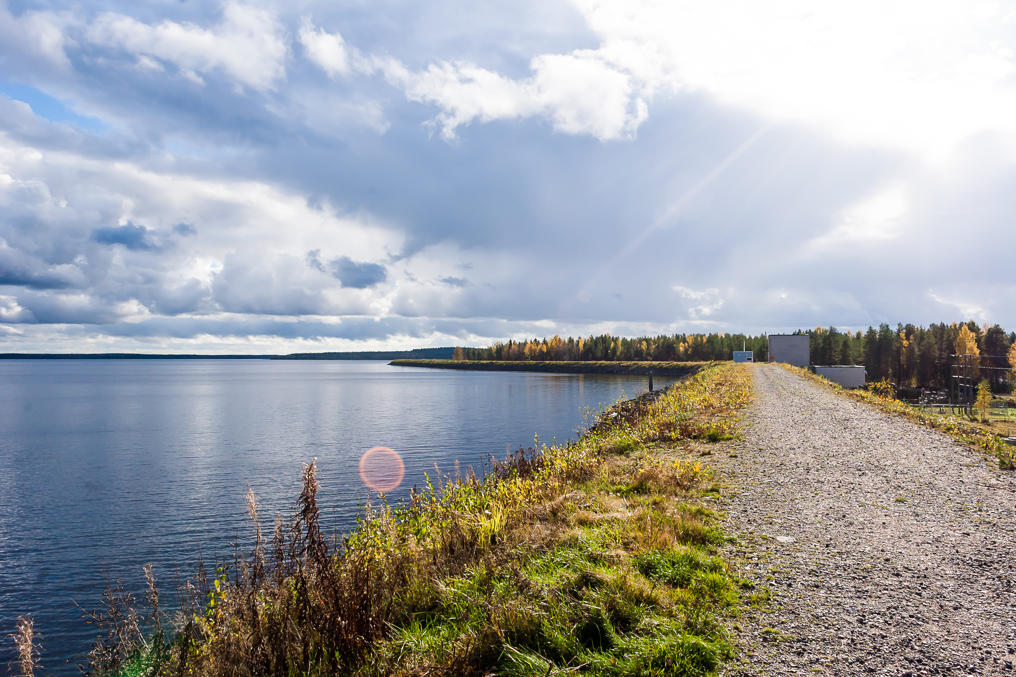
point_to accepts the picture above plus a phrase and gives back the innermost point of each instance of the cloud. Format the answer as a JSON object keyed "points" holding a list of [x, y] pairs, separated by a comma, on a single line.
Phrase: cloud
{"points": [[357, 275], [20, 269], [574, 168], [248, 44], [327, 50], [314, 260], [37, 33], [39, 307], [578, 93], [927, 77], [702, 303], [921, 76], [133, 237]]}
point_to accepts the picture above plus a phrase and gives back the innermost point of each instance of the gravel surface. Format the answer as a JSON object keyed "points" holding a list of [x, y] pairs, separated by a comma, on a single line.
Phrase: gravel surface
{"points": [[888, 548]]}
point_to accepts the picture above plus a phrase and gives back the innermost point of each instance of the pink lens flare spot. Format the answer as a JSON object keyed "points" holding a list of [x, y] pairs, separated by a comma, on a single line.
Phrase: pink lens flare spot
{"points": [[381, 469]]}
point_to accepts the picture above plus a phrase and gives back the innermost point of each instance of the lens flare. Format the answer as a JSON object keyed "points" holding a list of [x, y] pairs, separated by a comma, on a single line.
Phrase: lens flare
{"points": [[381, 469]]}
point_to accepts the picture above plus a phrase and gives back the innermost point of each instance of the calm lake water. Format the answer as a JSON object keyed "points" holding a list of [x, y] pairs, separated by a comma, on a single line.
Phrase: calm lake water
{"points": [[106, 465]]}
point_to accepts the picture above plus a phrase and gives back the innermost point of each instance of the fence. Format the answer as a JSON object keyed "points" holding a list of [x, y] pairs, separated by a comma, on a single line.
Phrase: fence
{"points": [[965, 372]]}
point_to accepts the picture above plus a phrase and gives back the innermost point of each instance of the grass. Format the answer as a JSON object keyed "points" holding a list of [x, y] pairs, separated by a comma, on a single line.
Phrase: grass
{"points": [[561, 366], [592, 558], [968, 430]]}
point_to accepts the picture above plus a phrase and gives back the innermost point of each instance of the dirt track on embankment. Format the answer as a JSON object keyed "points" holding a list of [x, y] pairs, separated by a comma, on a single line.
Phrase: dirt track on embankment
{"points": [[889, 549]]}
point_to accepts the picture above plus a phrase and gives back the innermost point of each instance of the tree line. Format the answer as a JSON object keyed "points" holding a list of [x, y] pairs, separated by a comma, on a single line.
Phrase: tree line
{"points": [[907, 355]]}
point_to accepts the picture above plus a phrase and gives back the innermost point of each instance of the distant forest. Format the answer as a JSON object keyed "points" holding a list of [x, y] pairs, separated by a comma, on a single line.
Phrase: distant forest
{"points": [[908, 355]]}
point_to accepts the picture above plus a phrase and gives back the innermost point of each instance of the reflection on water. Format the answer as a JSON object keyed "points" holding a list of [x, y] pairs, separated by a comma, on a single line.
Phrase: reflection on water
{"points": [[107, 465]]}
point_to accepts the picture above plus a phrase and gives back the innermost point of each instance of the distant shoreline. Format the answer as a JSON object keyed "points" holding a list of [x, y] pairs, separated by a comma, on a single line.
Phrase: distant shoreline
{"points": [[432, 353], [561, 367]]}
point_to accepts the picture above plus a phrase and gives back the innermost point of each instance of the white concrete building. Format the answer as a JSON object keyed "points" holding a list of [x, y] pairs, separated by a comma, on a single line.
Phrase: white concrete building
{"points": [[847, 375]]}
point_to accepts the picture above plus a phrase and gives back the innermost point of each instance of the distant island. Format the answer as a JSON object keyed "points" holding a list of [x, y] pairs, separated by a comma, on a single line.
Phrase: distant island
{"points": [[416, 353]]}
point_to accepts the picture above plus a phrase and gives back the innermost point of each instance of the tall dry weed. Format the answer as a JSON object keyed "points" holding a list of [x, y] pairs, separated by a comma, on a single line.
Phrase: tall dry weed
{"points": [[24, 640]]}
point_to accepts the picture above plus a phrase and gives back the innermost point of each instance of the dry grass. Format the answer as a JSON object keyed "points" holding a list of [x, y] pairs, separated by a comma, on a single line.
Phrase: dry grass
{"points": [[24, 641]]}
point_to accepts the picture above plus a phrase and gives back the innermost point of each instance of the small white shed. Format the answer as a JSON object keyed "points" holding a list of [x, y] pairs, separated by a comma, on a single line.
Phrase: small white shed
{"points": [[847, 375], [744, 356]]}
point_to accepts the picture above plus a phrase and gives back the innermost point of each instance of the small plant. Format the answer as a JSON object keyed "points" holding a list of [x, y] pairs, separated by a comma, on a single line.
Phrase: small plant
{"points": [[983, 401], [883, 388]]}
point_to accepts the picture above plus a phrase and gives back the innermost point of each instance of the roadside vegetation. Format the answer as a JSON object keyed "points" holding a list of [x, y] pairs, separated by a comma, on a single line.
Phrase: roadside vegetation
{"points": [[978, 430], [599, 557]]}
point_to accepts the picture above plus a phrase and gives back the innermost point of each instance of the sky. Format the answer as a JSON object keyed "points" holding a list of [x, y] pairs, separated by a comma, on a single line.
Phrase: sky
{"points": [[180, 176]]}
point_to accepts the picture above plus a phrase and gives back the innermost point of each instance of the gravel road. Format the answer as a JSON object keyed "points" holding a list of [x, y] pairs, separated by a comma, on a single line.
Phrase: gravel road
{"points": [[888, 548]]}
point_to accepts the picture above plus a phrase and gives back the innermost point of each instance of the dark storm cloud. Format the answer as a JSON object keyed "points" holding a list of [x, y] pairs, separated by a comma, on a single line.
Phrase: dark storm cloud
{"points": [[357, 275], [19, 268], [60, 308], [16, 273], [131, 236], [22, 278]]}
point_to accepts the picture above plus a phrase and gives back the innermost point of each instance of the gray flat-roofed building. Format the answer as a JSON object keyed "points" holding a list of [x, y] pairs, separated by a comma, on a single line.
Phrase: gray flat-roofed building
{"points": [[792, 349], [847, 375], [744, 356]]}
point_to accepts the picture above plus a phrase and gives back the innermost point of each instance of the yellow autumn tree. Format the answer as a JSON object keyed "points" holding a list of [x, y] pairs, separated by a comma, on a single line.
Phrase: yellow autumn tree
{"points": [[983, 402], [966, 344], [1012, 360]]}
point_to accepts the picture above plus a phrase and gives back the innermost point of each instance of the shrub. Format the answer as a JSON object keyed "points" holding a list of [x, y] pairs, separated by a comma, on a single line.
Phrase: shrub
{"points": [[883, 388], [983, 401]]}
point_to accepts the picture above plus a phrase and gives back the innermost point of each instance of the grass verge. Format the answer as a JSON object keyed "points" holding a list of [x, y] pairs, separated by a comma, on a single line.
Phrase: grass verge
{"points": [[965, 430], [597, 557]]}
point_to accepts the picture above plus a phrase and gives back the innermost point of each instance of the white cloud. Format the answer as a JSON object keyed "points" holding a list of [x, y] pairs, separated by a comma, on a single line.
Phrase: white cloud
{"points": [[467, 92], [584, 94], [702, 302], [37, 33], [327, 50], [876, 218], [579, 93], [913, 74], [248, 44], [968, 309]]}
